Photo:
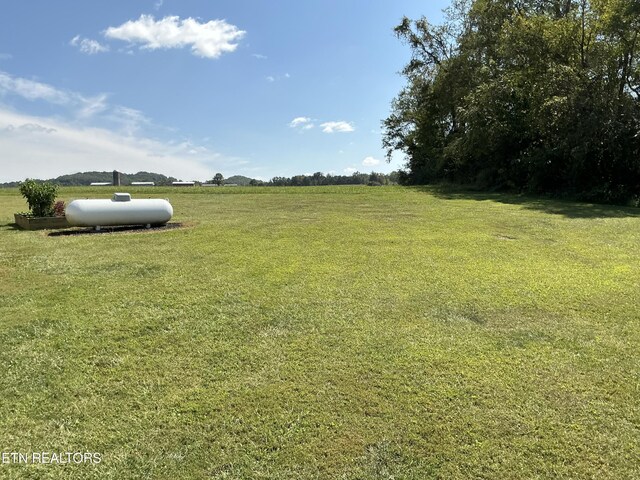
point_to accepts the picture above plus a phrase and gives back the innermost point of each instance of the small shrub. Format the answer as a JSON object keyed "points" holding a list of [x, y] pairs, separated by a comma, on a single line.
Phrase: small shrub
{"points": [[40, 197], [58, 209]]}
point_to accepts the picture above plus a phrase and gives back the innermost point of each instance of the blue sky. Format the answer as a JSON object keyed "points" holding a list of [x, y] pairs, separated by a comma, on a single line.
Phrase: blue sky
{"points": [[189, 88]]}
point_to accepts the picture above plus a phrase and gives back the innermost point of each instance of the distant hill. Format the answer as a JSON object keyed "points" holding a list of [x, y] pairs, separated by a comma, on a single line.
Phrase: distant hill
{"points": [[86, 178], [238, 180]]}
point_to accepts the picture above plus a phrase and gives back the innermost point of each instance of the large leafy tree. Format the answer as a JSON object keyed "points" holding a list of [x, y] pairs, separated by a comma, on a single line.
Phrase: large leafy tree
{"points": [[218, 179], [542, 95]]}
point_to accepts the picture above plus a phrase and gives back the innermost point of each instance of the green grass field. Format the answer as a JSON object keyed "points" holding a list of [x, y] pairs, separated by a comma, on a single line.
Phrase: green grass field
{"points": [[327, 332]]}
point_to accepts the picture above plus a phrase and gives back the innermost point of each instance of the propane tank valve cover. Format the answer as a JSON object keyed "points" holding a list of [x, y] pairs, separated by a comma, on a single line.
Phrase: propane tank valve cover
{"points": [[121, 197]]}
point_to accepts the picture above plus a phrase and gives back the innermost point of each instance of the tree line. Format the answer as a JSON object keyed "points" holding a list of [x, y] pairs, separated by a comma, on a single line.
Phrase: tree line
{"points": [[316, 179], [319, 178], [533, 95]]}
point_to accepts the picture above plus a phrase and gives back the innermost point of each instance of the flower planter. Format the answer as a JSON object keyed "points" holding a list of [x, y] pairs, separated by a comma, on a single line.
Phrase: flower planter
{"points": [[40, 223]]}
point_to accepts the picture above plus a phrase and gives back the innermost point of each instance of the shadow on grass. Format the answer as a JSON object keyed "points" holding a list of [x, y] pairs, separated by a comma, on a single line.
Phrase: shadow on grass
{"points": [[9, 226], [117, 229], [567, 208]]}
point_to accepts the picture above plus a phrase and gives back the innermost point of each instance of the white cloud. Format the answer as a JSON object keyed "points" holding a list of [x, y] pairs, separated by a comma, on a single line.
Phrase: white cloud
{"points": [[301, 122], [5, 56], [92, 105], [259, 56], [88, 46], [208, 40], [333, 127], [350, 170], [83, 107], [273, 78], [32, 90], [87, 133], [47, 147], [27, 127], [370, 162], [158, 4], [130, 120]]}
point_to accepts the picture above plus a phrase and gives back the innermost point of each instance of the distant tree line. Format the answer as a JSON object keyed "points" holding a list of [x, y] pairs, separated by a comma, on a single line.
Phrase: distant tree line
{"points": [[319, 178], [535, 95]]}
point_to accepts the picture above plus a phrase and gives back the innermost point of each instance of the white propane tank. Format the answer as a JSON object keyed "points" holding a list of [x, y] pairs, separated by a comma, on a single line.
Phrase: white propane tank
{"points": [[120, 210]]}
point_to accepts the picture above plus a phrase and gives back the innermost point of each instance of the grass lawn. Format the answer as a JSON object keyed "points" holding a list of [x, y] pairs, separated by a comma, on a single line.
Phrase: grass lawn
{"points": [[327, 332]]}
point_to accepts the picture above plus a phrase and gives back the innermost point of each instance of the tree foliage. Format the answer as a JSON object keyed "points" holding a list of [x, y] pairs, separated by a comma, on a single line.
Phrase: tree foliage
{"points": [[218, 179], [537, 95], [319, 178]]}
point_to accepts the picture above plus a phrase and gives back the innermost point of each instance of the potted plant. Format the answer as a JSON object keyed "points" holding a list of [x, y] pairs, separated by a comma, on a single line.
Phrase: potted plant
{"points": [[44, 211]]}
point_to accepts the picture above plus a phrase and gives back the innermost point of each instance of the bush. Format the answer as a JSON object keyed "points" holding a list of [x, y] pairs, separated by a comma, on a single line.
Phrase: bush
{"points": [[40, 197]]}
